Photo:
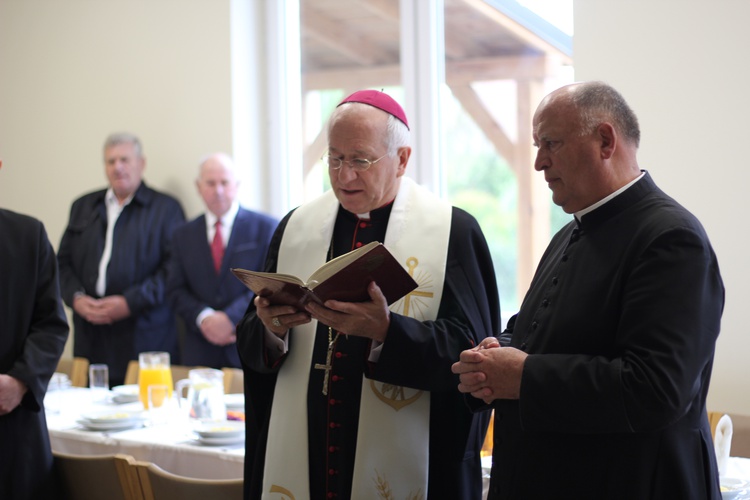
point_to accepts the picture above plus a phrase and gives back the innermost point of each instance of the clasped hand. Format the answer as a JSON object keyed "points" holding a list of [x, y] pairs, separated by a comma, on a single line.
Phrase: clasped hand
{"points": [[103, 311], [364, 319], [490, 372]]}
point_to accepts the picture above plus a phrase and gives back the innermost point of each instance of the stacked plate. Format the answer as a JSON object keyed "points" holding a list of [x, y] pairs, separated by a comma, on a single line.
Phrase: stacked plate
{"points": [[111, 420], [220, 432], [734, 489], [125, 393]]}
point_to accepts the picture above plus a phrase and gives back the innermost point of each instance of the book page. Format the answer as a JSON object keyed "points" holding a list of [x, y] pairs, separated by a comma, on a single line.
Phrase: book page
{"points": [[274, 276], [335, 265]]}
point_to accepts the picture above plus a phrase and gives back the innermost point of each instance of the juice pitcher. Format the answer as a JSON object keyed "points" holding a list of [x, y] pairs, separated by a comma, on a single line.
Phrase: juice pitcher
{"points": [[153, 368], [205, 396]]}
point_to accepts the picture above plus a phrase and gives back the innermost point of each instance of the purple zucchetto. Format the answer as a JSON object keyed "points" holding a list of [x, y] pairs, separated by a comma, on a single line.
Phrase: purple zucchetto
{"points": [[379, 100]]}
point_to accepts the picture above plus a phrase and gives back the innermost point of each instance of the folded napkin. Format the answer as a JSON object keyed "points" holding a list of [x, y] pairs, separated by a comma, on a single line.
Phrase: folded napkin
{"points": [[723, 442]]}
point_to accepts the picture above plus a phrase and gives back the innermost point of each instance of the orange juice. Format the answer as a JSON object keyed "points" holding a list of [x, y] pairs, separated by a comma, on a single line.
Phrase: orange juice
{"points": [[153, 375]]}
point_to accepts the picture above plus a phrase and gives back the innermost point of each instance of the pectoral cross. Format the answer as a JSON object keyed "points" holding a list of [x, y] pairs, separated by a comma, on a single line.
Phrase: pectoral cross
{"points": [[329, 356]]}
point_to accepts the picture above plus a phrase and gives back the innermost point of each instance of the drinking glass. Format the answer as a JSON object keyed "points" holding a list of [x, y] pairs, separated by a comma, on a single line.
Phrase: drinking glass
{"points": [[99, 382], [153, 368], [158, 403]]}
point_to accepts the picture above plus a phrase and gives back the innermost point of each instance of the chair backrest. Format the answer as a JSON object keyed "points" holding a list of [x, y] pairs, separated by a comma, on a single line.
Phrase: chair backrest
{"points": [[158, 484], [233, 381], [95, 477], [131, 373], [180, 372], [77, 369]]}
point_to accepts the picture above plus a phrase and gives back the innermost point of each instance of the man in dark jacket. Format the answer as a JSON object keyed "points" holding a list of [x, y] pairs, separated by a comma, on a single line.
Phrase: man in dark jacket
{"points": [[33, 330], [601, 392], [113, 258], [200, 286]]}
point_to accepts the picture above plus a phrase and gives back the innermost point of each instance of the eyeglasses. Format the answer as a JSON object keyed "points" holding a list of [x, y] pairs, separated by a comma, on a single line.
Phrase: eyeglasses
{"points": [[356, 164]]}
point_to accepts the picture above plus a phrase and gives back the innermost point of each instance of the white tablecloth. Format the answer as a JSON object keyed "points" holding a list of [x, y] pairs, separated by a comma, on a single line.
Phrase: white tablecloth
{"points": [[172, 445]]}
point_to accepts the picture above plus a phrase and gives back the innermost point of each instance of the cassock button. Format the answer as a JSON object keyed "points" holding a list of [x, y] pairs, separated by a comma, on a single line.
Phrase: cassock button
{"points": [[363, 225], [332, 472], [554, 280], [332, 401], [335, 378], [331, 495], [332, 449], [545, 303], [339, 354], [534, 325], [565, 258], [358, 244]]}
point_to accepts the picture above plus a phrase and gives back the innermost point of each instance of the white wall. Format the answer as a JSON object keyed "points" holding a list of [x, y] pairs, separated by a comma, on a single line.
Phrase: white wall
{"points": [[74, 71], [682, 65]]}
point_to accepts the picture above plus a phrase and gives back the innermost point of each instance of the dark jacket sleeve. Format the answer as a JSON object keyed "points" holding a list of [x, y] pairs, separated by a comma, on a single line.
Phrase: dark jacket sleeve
{"points": [[40, 322]]}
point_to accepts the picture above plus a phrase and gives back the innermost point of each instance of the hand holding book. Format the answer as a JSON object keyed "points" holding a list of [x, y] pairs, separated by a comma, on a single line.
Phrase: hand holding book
{"points": [[344, 278]]}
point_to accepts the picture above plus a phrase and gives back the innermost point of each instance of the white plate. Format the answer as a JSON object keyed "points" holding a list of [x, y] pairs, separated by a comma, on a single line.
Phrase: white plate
{"points": [[220, 441], [737, 489], [234, 401], [117, 425], [109, 417], [126, 393], [220, 430]]}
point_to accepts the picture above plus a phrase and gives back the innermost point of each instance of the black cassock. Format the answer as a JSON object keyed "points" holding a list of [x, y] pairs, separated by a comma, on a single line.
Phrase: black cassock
{"points": [[416, 354], [620, 325], [33, 330]]}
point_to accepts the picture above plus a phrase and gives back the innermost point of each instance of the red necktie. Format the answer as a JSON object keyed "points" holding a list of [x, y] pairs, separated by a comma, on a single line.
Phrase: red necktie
{"points": [[217, 247]]}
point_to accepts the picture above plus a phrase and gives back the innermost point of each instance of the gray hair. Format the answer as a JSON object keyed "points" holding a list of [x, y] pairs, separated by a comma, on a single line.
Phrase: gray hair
{"points": [[225, 160], [124, 138], [397, 134], [598, 102]]}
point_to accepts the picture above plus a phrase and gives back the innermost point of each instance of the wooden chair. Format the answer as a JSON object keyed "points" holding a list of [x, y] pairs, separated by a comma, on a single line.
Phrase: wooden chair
{"points": [[233, 381], [180, 372], [77, 370], [131, 373], [158, 484], [96, 477]]}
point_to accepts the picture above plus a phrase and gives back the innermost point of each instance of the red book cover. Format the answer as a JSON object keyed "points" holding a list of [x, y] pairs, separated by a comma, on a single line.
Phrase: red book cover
{"points": [[344, 278]]}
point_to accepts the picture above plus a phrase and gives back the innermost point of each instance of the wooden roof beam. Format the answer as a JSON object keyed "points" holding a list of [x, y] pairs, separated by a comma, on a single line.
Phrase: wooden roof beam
{"points": [[456, 73], [523, 33], [475, 107], [359, 50]]}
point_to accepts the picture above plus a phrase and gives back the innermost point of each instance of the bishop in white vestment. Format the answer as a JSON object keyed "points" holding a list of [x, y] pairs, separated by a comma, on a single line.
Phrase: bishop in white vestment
{"points": [[358, 400]]}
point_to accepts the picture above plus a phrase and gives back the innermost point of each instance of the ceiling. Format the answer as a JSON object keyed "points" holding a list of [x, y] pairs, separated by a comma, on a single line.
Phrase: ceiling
{"points": [[353, 41]]}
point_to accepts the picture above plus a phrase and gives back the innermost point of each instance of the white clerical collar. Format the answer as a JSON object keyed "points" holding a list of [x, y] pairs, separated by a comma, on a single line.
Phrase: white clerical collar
{"points": [[604, 200]]}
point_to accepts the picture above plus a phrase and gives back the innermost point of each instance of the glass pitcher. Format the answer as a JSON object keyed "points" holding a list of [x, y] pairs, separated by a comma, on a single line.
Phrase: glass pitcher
{"points": [[205, 396], [153, 368]]}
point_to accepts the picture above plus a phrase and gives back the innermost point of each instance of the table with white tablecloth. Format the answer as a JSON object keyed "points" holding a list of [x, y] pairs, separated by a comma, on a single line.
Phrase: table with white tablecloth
{"points": [[172, 444]]}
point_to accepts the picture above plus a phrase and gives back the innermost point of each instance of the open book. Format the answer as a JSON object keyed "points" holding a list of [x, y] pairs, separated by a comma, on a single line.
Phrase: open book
{"points": [[344, 278]]}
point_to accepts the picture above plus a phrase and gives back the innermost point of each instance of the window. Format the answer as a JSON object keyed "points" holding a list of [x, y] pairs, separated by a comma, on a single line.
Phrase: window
{"points": [[496, 61]]}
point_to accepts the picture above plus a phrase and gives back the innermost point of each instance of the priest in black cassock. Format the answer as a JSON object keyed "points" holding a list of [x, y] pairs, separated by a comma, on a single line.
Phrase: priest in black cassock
{"points": [[33, 330], [602, 390], [356, 400]]}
